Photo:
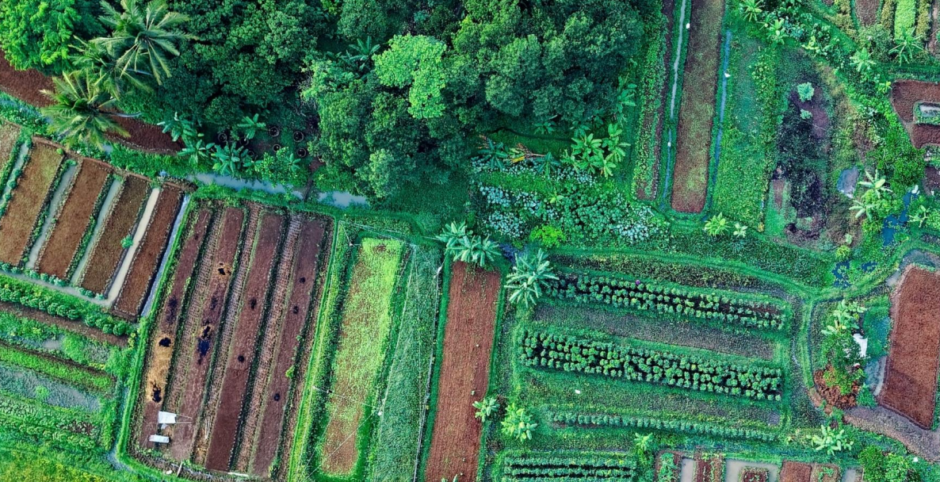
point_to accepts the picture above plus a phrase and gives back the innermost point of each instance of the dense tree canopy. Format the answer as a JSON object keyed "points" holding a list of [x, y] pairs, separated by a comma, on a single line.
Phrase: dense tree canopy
{"points": [[39, 33]]}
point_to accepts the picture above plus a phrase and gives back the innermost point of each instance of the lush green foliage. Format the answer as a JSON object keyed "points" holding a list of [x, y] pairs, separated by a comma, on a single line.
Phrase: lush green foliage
{"points": [[722, 308], [39, 34], [583, 355], [564, 466], [670, 424], [56, 304]]}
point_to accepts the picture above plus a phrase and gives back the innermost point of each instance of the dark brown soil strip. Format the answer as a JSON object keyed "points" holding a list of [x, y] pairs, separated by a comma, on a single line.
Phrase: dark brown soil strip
{"points": [[301, 306], [163, 341], [73, 220], [27, 85], [709, 469], [867, 11], [65, 324], [910, 385], [108, 251], [697, 107], [204, 316], [242, 354], [149, 253], [465, 369], [796, 472], [29, 199], [9, 133]]}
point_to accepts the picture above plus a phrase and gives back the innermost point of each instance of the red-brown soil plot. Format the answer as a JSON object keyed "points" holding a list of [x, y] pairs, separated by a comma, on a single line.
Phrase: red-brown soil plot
{"points": [[242, 354], [750, 474], [29, 199], [164, 339], [301, 306], [9, 133], [796, 472], [826, 473], [73, 220], [109, 250], [910, 385], [27, 85], [905, 94], [709, 468], [191, 368], [465, 369], [697, 108], [149, 253]]}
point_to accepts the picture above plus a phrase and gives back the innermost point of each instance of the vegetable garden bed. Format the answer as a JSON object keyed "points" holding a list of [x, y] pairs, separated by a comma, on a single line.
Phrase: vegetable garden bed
{"points": [[796, 472], [74, 219], [697, 108], [149, 254], [362, 341], [464, 372], [910, 384], [109, 249], [9, 134], [29, 199], [242, 353]]}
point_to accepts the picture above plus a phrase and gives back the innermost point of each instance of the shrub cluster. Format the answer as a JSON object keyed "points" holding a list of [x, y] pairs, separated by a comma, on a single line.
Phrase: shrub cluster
{"points": [[672, 425], [55, 304], [563, 352], [44, 424], [662, 298], [587, 466]]}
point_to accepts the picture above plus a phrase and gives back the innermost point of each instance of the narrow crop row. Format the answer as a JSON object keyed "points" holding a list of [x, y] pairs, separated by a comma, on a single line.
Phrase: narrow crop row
{"points": [[671, 424], [719, 308], [536, 466], [570, 354], [21, 293]]}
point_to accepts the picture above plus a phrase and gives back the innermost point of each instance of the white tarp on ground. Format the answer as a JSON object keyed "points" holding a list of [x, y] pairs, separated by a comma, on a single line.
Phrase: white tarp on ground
{"points": [[166, 418], [159, 439]]}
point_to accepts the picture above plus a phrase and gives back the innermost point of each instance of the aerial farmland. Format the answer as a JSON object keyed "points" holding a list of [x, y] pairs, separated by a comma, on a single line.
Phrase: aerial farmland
{"points": [[470, 240]]}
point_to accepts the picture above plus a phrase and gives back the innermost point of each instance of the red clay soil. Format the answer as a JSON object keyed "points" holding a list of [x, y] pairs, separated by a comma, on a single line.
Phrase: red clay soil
{"points": [[73, 220], [149, 254], [27, 85], [910, 385], [750, 474], [697, 108], [301, 306], [834, 394], [163, 341], [123, 218], [242, 353], [465, 369], [649, 191], [709, 468], [66, 324], [906, 93], [867, 11], [826, 473], [29, 199], [204, 316], [796, 472], [9, 133]]}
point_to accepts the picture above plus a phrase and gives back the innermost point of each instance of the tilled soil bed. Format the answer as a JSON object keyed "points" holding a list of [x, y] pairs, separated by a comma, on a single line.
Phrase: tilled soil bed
{"points": [[163, 341], [697, 107], [109, 250], [9, 133], [796, 472], [301, 307], [242, 354], [905, 94], [910, 385], [867, 11], [191, 370], [751, 474], [464, 373], [709, 468], [29, 199], [74, 220], [150, 253]]}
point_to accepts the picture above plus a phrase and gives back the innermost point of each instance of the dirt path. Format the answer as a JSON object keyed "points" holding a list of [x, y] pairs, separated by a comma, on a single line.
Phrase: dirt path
{"points": [[464, 374]]}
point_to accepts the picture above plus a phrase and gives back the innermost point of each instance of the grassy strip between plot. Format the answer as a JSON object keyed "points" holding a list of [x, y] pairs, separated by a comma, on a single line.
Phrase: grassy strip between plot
{"points": [[364, 331], [32, 335], [395, 449], [62, 372]]}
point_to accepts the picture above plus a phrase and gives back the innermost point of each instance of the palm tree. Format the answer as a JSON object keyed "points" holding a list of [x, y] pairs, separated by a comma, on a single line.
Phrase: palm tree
{"points": [[907, 46], [95, 61], [751, 10], [485, 408], [862, 60], [228, 159], [528, 277], [82, 112], [197, 152], [143, 36], [249, 126]]}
